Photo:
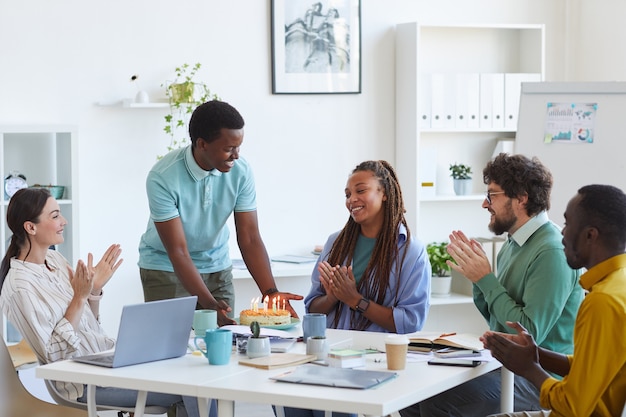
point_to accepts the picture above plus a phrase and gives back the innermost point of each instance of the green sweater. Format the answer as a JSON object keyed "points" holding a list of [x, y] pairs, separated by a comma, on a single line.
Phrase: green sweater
{"points": [[535, 287]]}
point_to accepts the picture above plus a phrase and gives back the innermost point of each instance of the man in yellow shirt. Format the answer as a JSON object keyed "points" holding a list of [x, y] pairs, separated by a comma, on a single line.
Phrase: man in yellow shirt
{"points": [[594, 378]]}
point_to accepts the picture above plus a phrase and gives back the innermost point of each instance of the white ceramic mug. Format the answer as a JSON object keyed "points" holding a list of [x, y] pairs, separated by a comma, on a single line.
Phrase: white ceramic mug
{"points": [[204, 320], [318, 346]]}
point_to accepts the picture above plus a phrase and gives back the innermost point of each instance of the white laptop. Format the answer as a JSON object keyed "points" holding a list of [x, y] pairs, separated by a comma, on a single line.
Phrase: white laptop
{"points": [[149, 332]]}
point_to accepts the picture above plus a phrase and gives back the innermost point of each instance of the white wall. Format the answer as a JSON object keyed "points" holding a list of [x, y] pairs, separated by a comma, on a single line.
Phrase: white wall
{"points": [[594, 29], [57, 59]]}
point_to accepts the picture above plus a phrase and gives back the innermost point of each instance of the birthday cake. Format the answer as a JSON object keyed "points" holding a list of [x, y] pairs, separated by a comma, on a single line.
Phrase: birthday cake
{"points": [[265, 317]]}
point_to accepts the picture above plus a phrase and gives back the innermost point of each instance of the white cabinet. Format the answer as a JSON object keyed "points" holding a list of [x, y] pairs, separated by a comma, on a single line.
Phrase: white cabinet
{"points": [[45, 155], [446, 76]]}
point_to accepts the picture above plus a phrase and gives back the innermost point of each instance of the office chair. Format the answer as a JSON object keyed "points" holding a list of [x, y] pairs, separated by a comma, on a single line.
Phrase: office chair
{"points": [[56, 396], [17, 401], [22, 355]]}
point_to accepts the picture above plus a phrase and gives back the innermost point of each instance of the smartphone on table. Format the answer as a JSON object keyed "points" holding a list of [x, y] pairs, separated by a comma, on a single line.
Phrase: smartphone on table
{"points": [[471, 363], [456, 353]]}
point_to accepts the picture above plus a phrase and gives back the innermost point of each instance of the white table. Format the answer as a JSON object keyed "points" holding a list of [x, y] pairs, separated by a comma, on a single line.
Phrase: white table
{"points": [[191, 375], [174, 376]]}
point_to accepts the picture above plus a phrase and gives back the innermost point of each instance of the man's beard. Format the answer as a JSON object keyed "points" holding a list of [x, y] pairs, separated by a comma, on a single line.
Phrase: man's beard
{"points": [[503, 223]]}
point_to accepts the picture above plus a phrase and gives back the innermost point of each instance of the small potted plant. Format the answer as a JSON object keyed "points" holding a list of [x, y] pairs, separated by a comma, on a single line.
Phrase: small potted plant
{"points": [[441, 279], [258, 345], [184, 94], [462, 178]]}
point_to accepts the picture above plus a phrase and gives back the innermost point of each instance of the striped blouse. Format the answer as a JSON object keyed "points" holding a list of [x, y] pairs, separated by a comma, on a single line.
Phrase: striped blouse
{"points": [[35, 299]]}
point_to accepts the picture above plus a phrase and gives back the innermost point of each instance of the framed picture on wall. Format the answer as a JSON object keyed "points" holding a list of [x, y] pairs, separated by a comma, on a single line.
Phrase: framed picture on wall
{"points": [[316, 46]]}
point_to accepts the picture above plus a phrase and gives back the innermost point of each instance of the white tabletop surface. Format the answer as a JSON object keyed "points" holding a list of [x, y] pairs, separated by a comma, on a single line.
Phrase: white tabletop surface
{"points": [[413, 384], [192, 375]]}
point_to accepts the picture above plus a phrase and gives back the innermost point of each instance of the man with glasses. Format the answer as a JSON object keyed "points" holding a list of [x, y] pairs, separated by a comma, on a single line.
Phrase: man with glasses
{"points": [[535, 286]]}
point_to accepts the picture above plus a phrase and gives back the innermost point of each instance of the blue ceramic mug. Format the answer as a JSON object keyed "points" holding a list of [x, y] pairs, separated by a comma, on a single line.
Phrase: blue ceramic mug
{"points": [[219, 346], [313, 324]]}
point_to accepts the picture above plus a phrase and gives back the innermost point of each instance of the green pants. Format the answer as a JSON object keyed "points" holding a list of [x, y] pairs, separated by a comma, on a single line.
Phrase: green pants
{"points": [[161, 285]]}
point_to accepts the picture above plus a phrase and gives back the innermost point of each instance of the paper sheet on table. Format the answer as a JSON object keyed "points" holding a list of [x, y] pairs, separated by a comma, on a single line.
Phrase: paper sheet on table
{"points": [[485, 356], [241, 329], [294, 259]]}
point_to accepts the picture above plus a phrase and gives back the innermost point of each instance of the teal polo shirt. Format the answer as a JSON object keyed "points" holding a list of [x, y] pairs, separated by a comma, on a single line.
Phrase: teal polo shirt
{"points": [[204, 200]]}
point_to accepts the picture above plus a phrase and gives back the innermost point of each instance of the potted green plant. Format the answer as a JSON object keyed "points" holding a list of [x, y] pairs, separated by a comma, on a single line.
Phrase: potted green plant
{"points": [[462, 178], [441, 279], [184, 94], [258, 345]]}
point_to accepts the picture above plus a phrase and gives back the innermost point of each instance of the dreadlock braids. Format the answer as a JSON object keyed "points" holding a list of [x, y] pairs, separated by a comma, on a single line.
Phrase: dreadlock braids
{"points": [[375, 281]]}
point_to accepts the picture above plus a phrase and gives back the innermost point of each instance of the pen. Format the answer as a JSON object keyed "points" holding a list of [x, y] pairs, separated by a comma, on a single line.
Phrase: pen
{"points": [[448, 334]]}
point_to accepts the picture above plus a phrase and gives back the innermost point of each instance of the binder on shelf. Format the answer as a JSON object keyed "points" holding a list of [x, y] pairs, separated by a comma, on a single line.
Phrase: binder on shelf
{"points": [[449, 100], [491, 101], [486, 102], [498, 101], [467, 100], [512, 91], [424, 104], [437, 102]]}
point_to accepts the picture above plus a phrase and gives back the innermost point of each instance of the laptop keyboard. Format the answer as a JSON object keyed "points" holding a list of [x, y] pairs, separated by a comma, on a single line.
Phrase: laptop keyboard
{"points": [[103, 359]]}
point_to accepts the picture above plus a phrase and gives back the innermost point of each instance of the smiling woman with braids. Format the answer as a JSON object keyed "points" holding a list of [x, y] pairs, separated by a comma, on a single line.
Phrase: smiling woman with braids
{"points": [[372, 275]]}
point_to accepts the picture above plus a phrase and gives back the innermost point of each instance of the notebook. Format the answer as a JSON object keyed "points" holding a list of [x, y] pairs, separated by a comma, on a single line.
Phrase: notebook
{"points": [[335, 377], [281, 345], [149, 332]]}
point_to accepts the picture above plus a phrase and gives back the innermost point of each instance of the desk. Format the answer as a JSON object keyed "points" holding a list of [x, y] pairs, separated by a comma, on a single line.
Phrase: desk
{"points": [[191, 375], [174, 376]]}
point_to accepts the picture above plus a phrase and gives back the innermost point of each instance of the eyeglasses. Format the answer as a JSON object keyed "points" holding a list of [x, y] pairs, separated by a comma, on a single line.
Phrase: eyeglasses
{"points": [[490, 193]]}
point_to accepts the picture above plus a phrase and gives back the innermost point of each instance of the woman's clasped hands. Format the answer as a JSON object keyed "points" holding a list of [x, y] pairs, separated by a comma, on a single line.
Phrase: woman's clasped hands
{"points": [[338, 281]]}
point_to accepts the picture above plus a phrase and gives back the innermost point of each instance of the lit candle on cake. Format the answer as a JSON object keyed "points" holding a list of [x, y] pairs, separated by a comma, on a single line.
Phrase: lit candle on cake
{"points": [[266, 301]]}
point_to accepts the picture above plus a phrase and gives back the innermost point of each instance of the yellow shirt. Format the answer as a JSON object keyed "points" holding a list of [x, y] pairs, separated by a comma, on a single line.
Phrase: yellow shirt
{"points": [[596, 383]]}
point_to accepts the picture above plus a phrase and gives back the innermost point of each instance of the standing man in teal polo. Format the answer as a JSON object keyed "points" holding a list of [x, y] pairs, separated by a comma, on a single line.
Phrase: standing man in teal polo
{"points": [[192, 192]]}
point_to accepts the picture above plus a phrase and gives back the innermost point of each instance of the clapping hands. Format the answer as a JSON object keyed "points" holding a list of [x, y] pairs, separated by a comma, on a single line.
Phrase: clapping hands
{"points": [[88, 279]]}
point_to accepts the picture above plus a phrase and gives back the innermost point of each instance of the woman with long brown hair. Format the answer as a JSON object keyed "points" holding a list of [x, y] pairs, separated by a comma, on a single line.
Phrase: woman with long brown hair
{"points": [[372, 275], [55, 307]]}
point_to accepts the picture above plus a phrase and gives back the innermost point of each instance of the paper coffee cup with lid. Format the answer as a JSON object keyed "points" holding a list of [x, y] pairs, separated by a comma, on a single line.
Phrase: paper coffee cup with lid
{"points": [[396, 346]]}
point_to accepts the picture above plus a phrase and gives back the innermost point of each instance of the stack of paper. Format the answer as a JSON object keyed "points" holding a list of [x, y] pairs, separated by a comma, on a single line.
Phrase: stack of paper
{"points": [[346, 358]]}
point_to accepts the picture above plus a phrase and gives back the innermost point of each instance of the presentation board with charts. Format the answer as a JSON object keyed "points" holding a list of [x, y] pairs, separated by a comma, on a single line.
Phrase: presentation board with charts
{"points": [[598, 161]]}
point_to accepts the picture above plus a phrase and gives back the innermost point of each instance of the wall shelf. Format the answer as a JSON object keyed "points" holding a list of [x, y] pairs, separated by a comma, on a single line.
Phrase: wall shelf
{"points": [[452, 198], [130, 104], [453, 298]]}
